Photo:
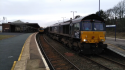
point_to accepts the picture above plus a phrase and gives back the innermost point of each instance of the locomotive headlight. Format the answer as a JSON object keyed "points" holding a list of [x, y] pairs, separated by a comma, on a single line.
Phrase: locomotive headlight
{"points": [[84, 40], [102, 39]]}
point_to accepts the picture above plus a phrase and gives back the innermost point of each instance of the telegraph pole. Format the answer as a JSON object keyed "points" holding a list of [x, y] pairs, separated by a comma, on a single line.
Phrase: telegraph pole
{"points": [[73, 13], [63, 18]]}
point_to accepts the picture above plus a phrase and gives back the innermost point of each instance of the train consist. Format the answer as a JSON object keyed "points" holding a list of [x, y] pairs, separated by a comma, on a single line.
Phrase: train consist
{"points": [[41, 30], [85, 34]]}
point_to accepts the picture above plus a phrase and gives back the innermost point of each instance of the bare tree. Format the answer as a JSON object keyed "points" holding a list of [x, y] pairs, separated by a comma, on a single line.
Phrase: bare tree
{"points": [[115, 11], [121, 9], [117, 15], [109, 13]]}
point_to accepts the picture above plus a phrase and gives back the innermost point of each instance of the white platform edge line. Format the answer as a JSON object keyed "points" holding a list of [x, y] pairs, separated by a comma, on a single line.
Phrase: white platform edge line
{"points": [[45, 63], [117, 52]]}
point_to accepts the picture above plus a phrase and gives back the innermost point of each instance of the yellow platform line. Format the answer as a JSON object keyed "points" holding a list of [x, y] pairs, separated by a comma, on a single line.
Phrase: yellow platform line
{"points": [[116, 46], [14, 63], [21, 51], [20, 54]]}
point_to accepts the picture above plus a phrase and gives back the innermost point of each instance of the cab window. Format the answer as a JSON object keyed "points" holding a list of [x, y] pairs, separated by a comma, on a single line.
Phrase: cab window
{"points": [[76, 27], [98, 26], [76, 30], [41, 28], [87, 26]]}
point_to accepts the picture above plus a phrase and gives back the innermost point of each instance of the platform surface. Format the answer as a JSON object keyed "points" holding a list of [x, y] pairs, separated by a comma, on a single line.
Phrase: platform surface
{"points": [[35, 61], [117, 46], [10, 49], [31, 57], [11, 33]]}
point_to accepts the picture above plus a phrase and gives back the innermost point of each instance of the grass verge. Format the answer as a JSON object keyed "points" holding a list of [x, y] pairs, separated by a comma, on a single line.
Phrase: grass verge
{"points": [[118, 35], [5, 36]]}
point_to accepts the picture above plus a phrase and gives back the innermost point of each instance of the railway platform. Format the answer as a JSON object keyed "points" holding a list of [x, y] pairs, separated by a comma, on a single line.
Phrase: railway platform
{"points": [[117, 46], [21, 52], [10, 49], [30, 57]]}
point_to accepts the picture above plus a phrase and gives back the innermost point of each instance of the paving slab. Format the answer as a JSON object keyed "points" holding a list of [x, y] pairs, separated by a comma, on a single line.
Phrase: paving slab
{"points": [[119, 42], [35, 62], [117, 46]]}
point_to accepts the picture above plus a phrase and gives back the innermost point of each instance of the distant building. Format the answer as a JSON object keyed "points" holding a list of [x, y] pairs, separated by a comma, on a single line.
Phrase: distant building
{"points": [[20, 27]]}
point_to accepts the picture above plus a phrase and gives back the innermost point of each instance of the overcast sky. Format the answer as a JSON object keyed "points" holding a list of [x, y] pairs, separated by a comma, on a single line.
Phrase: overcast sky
{"points": [[48, 12]]}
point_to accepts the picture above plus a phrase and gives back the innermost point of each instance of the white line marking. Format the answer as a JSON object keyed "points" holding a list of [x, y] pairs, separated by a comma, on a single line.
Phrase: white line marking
{"points": [[44, 61], [117, 52]]}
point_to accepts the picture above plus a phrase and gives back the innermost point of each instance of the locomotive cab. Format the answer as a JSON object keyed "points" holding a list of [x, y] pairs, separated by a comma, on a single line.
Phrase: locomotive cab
{"points": [[93, 35]]}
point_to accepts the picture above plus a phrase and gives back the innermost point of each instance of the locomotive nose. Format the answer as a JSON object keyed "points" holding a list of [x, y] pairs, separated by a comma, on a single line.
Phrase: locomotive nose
{"points": [[93, 37]]}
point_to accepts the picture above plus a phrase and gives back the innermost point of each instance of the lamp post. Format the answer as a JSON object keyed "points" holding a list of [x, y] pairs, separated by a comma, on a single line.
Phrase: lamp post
{"points": [[0, 20], [58, 21], [73, 13], [99, 7], [6, 19], [63, 18]]}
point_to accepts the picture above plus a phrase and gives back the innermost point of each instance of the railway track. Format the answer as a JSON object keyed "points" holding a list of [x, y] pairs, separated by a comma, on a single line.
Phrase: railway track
{"points": [[81, 63], [86, 63], [110, 65], [107, 63], [54, 58]]}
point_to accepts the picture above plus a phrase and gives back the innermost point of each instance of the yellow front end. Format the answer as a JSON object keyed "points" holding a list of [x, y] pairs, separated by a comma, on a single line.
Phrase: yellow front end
{"points": [[41, 30], [92, 36]]}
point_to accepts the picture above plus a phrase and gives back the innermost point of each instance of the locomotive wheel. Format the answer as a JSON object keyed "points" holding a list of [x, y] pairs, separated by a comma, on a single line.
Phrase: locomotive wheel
{"points": [[75, 48], [69, 45], [79, 52]]}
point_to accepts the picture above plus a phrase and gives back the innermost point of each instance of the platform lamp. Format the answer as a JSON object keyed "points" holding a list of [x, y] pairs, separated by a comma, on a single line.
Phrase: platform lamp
{"points": [[58, 21], [99, 7], [63, 18], [73, 13]]}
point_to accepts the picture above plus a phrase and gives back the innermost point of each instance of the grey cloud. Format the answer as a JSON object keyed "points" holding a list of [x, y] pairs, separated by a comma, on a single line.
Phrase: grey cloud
{"points": [[11, 8], [16, 8], [36, 7]]}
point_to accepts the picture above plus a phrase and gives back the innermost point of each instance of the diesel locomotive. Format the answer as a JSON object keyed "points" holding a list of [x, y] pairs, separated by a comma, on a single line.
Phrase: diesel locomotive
{"points": [[41, 30], [85, 35]]}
